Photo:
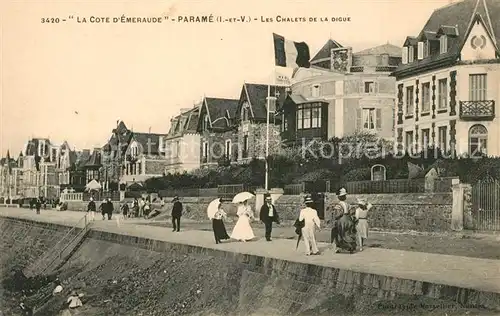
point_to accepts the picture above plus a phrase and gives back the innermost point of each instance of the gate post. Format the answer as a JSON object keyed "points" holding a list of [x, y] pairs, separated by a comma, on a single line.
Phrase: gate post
{"points": [[457, 212]]}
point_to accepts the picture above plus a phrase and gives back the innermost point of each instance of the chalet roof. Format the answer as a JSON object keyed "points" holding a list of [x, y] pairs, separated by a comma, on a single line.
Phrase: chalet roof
{"points": [[218, 109], [32, 146], [151, 138], [184, 123], [94, 159], [389, 49], [326, 50], [456, 18], [256, 95]]}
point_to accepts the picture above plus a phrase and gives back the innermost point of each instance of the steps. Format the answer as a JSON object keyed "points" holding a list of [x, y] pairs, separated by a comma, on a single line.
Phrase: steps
{"points": [[57, 255]]}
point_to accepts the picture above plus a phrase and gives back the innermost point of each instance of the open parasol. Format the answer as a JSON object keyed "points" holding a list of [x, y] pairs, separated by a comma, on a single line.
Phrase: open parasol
{"points": [[242, 197], [93, 185], [212, 208]]}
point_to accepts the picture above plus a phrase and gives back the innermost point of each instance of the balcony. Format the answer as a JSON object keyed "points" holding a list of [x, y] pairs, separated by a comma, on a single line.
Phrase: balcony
{"points": [[477, 110]]}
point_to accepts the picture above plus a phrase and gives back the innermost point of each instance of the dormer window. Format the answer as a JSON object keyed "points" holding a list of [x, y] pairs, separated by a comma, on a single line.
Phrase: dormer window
{"points": [[420, 53], [315, 92], [206, 122], [443, 44], [404, 55], [245, 112]]}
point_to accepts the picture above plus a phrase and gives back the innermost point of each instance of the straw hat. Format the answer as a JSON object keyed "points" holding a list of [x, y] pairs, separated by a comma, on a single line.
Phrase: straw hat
{"points": [[362, 202], [308, 200], [342, 192]]}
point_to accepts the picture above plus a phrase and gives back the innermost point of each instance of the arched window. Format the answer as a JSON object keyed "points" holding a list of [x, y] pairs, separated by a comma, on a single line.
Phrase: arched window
{"points": [[206, 122], [478, 140], [245, 112]]}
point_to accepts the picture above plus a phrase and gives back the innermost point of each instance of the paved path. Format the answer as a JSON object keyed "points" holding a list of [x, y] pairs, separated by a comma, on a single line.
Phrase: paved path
{"points": [[464, 272]]}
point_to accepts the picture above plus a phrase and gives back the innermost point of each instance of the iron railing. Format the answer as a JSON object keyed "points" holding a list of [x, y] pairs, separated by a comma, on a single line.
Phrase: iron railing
{"points": [[477, 110], [56, 252]]}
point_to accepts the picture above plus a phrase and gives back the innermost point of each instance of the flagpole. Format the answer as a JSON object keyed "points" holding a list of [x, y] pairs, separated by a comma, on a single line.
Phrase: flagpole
{"points": [[267, 136]]}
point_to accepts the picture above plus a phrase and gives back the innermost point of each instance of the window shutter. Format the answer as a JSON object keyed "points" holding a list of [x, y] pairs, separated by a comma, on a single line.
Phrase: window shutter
{"points": [[361, 87], [375, 87], [405, 55], [420, 50], [358, 119], [378, 118]]}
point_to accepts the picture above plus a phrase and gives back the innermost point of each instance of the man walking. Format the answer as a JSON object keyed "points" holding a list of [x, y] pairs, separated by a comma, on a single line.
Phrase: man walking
{"points": [[109, 208], [38, 205], [103, 207], [176, 214], [91, 209], [268, 215], [311, 219]]}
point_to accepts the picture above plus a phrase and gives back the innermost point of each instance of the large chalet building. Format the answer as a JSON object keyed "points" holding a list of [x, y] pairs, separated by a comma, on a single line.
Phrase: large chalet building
{"points": [[340, 94], [182, 142], [218, 131], [448, 85], [128, 157]]}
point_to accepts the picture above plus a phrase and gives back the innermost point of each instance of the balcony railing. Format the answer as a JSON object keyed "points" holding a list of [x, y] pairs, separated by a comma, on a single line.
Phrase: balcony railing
{"points": [[477, 110]]}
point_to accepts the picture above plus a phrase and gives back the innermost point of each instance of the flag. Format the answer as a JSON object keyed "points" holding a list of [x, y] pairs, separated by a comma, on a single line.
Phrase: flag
{"points": [[290, 54]]}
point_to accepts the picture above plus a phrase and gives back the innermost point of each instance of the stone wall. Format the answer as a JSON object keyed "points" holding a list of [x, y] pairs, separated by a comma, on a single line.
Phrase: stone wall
{"points": [[420, 212], [257, 140]]}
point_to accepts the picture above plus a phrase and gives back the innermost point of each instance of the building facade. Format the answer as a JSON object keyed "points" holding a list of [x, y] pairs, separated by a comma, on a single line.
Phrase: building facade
{"points": [[449, 82], [251, 121], [342, 93], [182, 142], [218, 132], [145, 157]]}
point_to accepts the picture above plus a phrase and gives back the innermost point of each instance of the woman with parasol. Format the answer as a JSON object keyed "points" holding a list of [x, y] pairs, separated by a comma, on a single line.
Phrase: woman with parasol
{"points": [[242, 231], [217, 214]]}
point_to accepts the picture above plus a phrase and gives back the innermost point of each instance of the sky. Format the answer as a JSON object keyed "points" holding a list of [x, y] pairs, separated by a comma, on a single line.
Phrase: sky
{"points": [[144, 74]]}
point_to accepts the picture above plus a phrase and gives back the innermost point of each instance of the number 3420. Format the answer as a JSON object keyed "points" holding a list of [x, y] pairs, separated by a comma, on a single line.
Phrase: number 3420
{"points": [[50, 20]]}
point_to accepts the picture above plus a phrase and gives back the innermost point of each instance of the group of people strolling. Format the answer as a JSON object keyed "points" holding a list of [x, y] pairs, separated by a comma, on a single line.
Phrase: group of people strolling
{"points": [[349, 226]]}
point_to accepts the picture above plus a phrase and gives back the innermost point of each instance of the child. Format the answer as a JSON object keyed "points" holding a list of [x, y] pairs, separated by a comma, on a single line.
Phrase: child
{"points": [[125, 210]]}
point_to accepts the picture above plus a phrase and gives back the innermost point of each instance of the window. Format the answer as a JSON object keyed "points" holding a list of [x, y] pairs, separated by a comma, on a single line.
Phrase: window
{"points": [[405, 55], [309, 116], [478, 138], [409, 141], [442, 93], [420, 52], [228, 148], [477, 87], [409, 100], [205, 149], [245, 112], [385, 59], [134, 151], [284, 123], [245, 147], [426, 135], [411, 53], [370, 118], [426, 97], [316, 117], [443, 44], [315, 92], [369, 87], [206, 122], [442, 136]]}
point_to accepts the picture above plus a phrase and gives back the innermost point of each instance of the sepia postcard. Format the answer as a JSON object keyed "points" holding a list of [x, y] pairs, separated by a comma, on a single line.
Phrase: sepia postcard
{"points": [[250, 157]]}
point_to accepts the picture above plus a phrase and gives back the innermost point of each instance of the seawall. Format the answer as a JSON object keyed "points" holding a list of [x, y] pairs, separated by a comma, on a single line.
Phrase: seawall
{"points": [[126, 270]]}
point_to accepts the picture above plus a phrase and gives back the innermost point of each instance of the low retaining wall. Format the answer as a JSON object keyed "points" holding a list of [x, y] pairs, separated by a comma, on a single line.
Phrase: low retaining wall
{"points": [[402, 211]]}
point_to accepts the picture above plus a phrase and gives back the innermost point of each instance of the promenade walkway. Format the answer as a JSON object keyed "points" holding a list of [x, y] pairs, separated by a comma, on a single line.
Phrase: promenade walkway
{"points": [[464, 272]]}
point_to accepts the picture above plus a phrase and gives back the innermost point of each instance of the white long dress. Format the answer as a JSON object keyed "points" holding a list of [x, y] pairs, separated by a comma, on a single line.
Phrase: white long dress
{"points": [[242, 230]]}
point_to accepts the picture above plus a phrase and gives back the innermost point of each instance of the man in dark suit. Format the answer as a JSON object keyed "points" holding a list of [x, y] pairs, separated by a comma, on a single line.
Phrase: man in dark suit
{"points": [[176, 214], [268, 215]]}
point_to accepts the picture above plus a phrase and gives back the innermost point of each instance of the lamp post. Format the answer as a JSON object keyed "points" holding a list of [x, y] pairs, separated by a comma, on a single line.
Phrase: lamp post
{"points": [[271, 107]]}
